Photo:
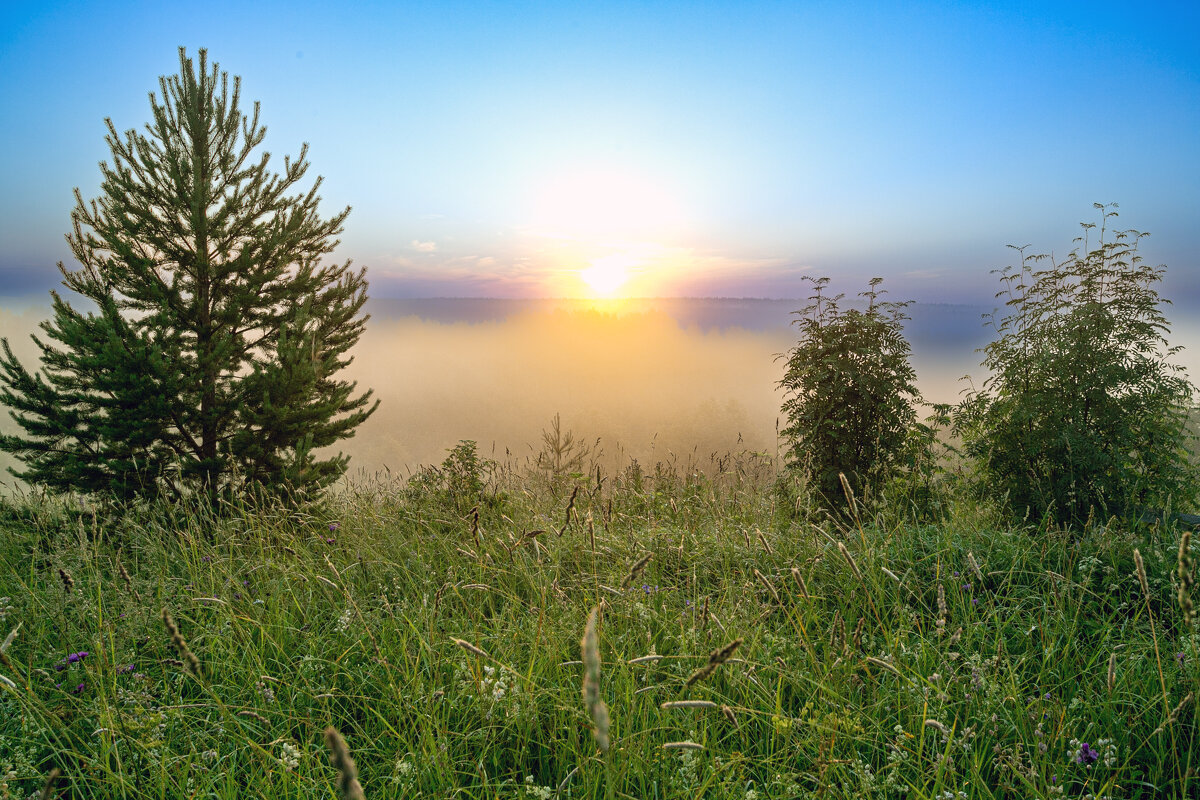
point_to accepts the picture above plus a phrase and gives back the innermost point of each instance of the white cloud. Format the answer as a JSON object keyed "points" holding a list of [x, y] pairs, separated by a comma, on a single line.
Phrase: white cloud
{"points": [[424, 247]]}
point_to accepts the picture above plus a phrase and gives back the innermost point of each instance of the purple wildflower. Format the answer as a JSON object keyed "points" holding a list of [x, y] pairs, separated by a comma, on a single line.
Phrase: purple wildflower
{"points": [[333, 526], [73, 658], [78, 688], [1087, 756]]}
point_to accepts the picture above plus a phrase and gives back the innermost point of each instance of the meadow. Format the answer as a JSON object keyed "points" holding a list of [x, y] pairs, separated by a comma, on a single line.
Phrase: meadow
{"points": [[745, 644]]}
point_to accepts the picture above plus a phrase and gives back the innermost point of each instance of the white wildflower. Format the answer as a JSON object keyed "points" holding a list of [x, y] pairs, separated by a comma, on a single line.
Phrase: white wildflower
{"points": [[290, 756]]}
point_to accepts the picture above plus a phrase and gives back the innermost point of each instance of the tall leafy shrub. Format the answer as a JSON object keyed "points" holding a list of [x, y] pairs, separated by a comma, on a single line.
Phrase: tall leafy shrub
{"points": [[1083, 413], [849, 393]]}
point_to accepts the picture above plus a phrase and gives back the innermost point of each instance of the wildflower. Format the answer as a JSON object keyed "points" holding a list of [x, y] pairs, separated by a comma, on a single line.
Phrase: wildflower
{"points": [[289, 756], [77, 657], [1086, 756], [78, 689], [532, 790], [333, 526]]}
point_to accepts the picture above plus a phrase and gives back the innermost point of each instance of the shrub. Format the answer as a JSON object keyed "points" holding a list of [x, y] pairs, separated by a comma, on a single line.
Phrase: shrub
{"points": [[463, 481], [849, 392], [1083, 413]]}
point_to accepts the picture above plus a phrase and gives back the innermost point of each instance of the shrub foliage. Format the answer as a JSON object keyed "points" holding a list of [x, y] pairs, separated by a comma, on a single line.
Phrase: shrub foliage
{"points": [[1083, 413], [850, 397]]}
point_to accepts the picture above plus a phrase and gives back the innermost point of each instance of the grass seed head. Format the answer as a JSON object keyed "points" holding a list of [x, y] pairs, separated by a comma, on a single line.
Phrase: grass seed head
{"points": [[763, 540], [682, 746], [125, 577], [850, 560], [974, 566], [942, 610], [181, 646], [885, 665], [1141, 573], [1187, 579], [837, 633], [470, 648], [48, 787], [1174, 715], [688, 704], [8, 640], [636, 569], [798, 577], [767, 585], [339, 755], [590, 646], [715, 659]]}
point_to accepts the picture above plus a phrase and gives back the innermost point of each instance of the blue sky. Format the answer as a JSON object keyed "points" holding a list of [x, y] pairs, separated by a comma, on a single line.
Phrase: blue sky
{"points": [[524, 149]]}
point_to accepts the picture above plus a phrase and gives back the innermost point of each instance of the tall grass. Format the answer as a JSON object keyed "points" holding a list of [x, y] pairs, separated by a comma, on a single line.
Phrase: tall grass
{"points": [[436, 628]]}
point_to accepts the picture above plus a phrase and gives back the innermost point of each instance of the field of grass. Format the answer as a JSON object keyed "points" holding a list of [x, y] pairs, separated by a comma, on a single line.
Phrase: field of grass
{"points": [[963, 657]]}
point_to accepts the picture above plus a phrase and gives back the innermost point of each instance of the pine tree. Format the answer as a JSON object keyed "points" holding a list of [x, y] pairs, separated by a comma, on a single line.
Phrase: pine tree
{"points": [[208, 365]]}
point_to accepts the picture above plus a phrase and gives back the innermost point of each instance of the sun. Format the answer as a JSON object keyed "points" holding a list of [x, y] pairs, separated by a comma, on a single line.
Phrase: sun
{"points": [[606, 226], [608, 274]]}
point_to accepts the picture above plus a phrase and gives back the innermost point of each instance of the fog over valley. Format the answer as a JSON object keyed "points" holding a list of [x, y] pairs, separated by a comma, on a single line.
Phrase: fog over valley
{"points": [[650, 379]]}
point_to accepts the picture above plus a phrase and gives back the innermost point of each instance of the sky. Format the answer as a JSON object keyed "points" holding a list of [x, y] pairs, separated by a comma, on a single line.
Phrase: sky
{"points": [[576, 149]]}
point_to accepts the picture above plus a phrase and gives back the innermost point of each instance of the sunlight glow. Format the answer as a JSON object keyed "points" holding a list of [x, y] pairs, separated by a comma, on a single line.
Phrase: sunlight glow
{"points": [[606, 275]]}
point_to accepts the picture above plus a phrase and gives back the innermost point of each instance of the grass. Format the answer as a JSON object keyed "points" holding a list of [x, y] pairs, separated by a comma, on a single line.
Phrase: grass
{"points": [[887, 657]]}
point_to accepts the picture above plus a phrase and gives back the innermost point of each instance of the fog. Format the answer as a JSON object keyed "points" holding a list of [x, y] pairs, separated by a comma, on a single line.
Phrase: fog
{"points": [[639, 382], [650, 380]]}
